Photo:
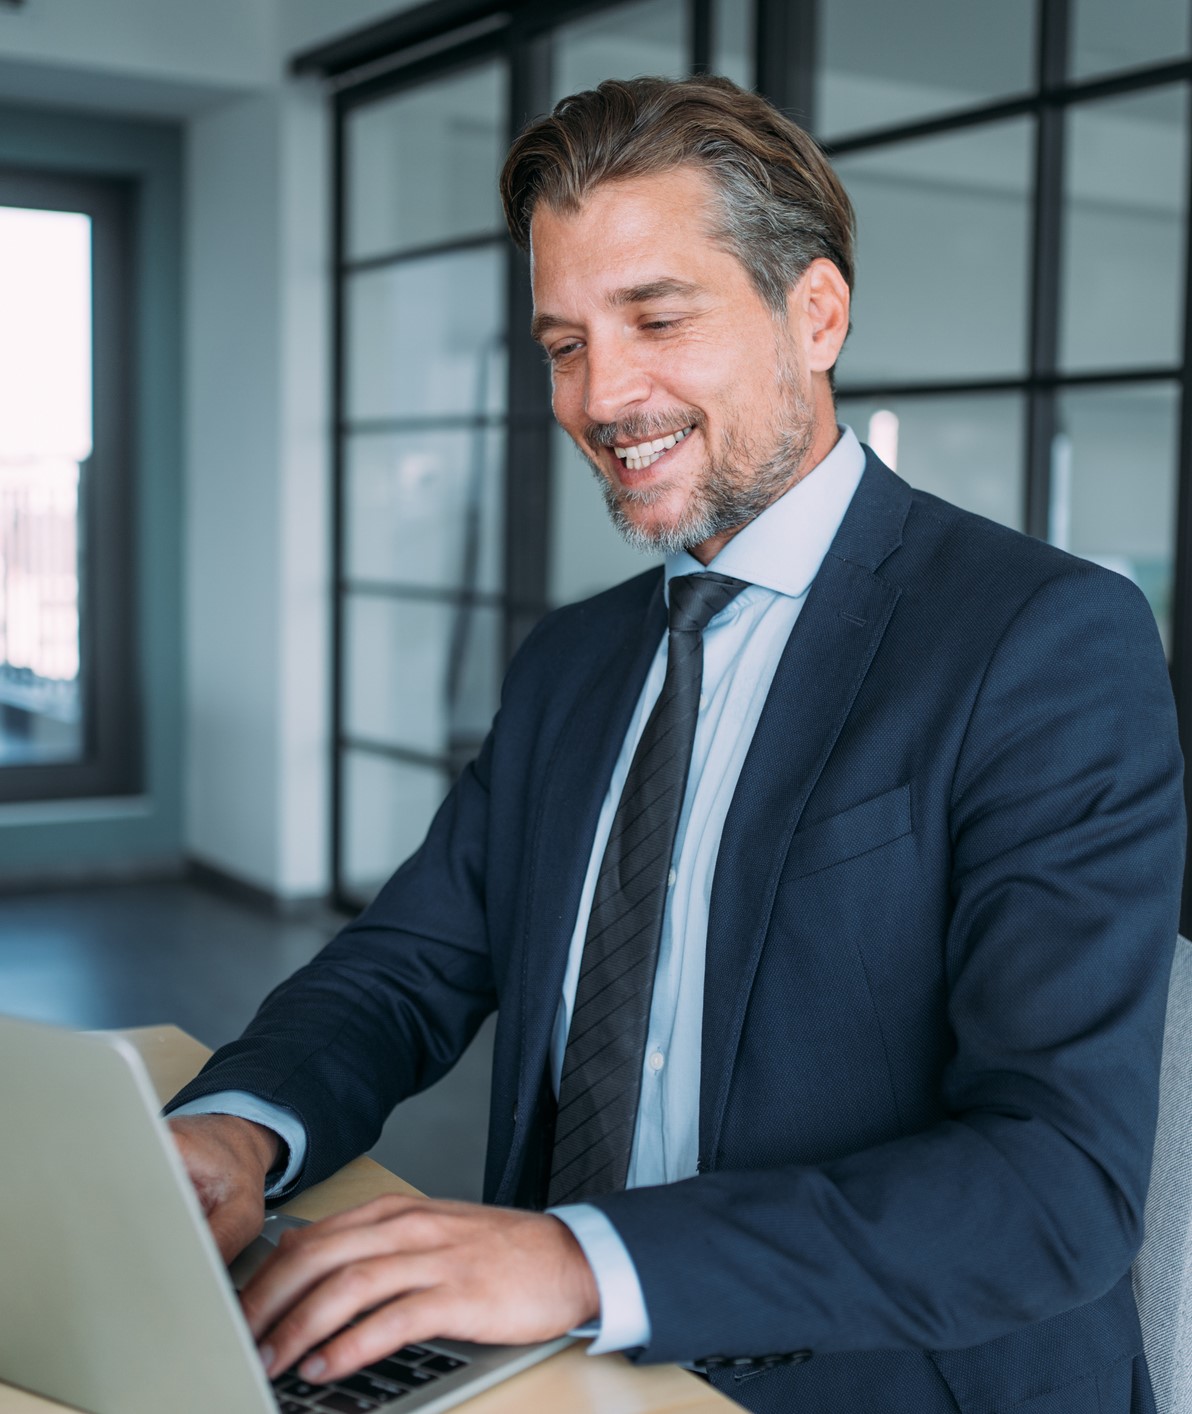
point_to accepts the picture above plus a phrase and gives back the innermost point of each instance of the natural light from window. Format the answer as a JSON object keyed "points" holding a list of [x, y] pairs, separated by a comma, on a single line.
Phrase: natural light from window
{"points": [[45, 434]]}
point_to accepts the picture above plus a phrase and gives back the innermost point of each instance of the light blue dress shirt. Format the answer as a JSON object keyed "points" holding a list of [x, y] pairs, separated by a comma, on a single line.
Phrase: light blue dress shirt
{"points": [[778, 555]]}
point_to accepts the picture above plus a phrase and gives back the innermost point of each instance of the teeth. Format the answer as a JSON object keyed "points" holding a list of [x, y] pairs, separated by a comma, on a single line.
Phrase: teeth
{"points": [[645, 453]]}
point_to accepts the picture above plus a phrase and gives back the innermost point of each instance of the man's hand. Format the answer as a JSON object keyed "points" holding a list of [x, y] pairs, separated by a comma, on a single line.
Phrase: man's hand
{"points": [[227, 1159], [421, 1269]]}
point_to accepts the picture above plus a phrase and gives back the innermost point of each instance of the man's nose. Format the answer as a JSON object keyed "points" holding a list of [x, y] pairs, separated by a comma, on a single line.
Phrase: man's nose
{"points": [[616, 383]]}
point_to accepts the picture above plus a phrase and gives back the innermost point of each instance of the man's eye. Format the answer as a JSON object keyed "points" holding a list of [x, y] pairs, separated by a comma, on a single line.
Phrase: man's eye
{"points": [[562, 350], [661, 324]]}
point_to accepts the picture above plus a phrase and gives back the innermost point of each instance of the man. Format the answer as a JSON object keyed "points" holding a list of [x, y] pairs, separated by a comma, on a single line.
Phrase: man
{"points": [[829, 920]]}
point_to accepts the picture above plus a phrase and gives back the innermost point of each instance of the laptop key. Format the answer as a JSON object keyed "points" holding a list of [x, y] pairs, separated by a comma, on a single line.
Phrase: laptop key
{"points": [[291, 1406], [443, 1364], [337, 1402], [368, 1386], [299, 1389], [409, 1375], [412, 1353]]}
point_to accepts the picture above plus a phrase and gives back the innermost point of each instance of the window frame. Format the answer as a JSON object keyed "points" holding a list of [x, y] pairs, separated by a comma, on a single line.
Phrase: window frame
{"points": [[111, 761]]}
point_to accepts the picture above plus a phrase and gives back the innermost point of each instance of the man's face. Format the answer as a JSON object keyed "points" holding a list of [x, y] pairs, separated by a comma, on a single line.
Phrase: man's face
{"points": [[655, 333]]}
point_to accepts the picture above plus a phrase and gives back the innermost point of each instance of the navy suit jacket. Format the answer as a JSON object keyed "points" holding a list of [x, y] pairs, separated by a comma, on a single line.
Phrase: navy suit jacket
{"points": [[941, 930]]}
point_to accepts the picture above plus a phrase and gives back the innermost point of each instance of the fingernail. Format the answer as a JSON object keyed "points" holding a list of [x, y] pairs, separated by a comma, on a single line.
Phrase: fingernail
{"points": [[266, 1352], [312, 1368]]}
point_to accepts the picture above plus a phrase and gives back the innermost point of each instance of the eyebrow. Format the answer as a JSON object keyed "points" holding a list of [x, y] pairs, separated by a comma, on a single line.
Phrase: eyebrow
{"points": [[665, 288]]}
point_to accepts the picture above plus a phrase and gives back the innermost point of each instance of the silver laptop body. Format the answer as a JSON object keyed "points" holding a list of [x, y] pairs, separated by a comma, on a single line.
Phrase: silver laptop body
{"points": [[113, 1297]]}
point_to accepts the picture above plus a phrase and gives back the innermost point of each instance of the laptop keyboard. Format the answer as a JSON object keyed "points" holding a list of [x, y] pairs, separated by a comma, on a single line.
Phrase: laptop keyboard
{"points": [[376, 1386]]}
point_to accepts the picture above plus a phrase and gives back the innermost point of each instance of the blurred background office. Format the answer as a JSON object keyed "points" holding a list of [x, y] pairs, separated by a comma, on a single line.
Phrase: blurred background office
{"points": [[279, 489]]}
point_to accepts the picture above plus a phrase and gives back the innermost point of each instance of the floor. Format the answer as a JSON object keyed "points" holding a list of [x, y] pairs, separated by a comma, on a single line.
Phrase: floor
{"points": [[135, 955]]}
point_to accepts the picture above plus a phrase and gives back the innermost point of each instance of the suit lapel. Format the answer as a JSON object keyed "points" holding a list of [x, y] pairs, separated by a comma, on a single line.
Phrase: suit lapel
{"points": [[576, 782], [821, 670]]}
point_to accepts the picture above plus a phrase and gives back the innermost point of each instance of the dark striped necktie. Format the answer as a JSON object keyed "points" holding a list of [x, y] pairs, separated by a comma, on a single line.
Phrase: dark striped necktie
{"points": [[602, 1064]]}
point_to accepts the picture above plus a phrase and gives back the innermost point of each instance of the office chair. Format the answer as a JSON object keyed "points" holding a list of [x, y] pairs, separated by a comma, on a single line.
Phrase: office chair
{"points": [[1163, 1269]]}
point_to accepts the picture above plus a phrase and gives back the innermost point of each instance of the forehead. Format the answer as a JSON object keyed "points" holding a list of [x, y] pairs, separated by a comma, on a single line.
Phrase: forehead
{"points": [[628, 233]]}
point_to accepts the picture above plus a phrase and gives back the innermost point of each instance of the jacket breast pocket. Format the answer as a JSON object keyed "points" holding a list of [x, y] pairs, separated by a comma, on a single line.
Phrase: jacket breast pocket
{"points": [[852, 832]]}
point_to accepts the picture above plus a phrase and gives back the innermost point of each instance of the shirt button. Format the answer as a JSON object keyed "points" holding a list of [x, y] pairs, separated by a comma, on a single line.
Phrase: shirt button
{"points": [[703, 701], [670, 879], [657, 1061]]}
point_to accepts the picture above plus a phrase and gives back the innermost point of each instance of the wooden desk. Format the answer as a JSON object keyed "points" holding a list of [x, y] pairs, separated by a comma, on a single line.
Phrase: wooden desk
{"points": [[571, 1381]]}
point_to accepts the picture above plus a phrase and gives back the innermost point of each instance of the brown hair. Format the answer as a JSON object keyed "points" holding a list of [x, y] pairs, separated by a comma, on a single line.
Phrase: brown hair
{"points": [[781, 204]]}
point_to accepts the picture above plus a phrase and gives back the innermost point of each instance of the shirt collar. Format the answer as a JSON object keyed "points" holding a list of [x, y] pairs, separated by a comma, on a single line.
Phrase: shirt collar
{"points": [[783, 548]]}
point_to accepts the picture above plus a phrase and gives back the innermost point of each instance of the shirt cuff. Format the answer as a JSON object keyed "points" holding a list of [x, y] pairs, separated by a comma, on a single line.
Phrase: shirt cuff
{"points": [[281, 1120], [624, 1322]]}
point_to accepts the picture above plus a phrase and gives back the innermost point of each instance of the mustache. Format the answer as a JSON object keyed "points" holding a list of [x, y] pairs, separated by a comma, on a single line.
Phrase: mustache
{"points": [[643, 428]]}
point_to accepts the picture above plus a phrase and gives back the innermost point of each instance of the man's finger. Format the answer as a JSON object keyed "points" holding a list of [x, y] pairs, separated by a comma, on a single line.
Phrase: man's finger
{"points": [[291, 1272], [420, 1315], [338, 1299]]}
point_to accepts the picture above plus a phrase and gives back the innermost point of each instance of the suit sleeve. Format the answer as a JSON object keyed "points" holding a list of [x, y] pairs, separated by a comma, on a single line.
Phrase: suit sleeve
{"points": [[1026, 1200], [387, 1007]]}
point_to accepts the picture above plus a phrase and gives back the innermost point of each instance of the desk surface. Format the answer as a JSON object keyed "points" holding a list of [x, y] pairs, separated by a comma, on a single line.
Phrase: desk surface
{"points": [[571, 1380]]}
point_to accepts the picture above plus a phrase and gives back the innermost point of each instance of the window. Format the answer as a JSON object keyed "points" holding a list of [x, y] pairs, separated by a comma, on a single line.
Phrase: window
{"points": [[68, 698]]}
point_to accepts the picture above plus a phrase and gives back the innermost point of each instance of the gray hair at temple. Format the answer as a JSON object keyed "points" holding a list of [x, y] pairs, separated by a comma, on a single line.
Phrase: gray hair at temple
{"points": [[781, 205]]}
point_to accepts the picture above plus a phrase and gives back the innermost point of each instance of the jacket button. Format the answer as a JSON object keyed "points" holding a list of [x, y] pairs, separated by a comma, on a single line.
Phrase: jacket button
{"points": [[515, 1114]]}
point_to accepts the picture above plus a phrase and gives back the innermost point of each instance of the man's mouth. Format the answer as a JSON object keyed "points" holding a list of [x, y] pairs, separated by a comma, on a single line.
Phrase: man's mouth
{"points": [[645, 454]]}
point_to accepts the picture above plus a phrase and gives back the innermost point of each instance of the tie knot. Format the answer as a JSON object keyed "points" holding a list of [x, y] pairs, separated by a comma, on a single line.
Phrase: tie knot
{"points": [[696, 599]]}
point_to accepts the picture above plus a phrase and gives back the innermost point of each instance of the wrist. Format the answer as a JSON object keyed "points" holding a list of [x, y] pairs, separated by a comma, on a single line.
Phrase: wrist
{"points": [[585, 1291]]}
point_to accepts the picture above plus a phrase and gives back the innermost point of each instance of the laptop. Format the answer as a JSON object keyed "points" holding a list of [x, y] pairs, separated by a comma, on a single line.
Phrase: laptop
{"points": [[113, 1296]]}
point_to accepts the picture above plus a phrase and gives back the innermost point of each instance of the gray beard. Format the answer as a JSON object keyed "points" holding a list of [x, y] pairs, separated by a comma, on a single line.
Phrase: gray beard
{"points": [[727, 499]]}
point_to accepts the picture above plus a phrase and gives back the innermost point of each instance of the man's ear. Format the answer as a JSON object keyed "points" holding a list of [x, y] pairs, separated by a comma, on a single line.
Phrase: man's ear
{"points": [[818, 314]]}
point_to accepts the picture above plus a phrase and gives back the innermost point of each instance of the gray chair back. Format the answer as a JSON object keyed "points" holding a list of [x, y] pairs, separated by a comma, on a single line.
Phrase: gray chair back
{"points": [[1163, 1269]]}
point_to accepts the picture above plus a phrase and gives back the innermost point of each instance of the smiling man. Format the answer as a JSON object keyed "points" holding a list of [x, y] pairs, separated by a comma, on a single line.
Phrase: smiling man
{"points": [[825, 882]]}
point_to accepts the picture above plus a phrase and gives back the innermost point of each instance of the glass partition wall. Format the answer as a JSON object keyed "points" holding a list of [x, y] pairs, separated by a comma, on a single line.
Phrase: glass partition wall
{"points": [[1020, 340]]}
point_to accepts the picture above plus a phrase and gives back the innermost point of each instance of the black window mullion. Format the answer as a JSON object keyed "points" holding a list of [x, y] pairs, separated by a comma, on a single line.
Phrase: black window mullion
{"points": [[784, 57], [528, 431], [1044, 309], [1181, 635], [701, 22], [338, 500]]}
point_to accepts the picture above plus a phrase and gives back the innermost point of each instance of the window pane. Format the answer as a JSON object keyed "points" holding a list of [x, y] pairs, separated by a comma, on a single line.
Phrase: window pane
{"points": [[425, 508], [885, 64], [422, 167], [649, 37], [732, 40], [1113, 484], [422, 675], [1125, 203], [388, 806], [1107, 34], [426, 337], [942, 256], [966, 449], [45, 437], [586, 553]]}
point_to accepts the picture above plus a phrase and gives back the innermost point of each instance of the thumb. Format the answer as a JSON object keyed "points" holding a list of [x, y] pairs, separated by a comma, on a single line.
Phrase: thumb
{"points": [[234, 1224]]}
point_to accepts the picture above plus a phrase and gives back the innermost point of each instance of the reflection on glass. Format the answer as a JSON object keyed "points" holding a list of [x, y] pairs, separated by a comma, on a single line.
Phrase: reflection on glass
{"points": [[422, 166], [426, 337], [1125, 199], [388, 806], [425, 508], [732, 40], [1113, 484], [967, 450], [45, 436], [1108, 35], [886, 64], [586, 553], [647, 37], [942, 256], [422, 675]]}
